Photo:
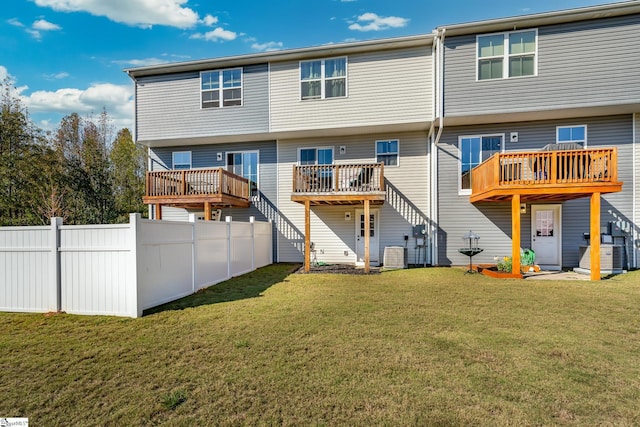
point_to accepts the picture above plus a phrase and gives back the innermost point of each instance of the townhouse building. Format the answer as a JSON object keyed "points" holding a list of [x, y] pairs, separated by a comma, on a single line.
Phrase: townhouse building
{"points": [[523, 129]]}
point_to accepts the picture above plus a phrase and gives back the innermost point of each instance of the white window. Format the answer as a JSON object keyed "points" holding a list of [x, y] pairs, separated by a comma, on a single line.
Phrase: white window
{"points": [[575, 134], [503, 55], [245, 164], [181, 159], [388, 152], [473, 151], [323, 78], [221, 88]]}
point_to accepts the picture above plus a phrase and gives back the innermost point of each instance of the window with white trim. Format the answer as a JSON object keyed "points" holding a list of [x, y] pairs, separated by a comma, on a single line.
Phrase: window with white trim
{"points": [[245, 164], [575, 134], [388, 152], [507, 55], [221, 88], [181, 160], [474, 150], [323, 78]]}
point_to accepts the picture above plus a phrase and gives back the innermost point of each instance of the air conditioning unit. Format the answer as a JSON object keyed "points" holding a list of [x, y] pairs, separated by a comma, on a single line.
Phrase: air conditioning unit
{"points": [[611, 257], [395, 257]]}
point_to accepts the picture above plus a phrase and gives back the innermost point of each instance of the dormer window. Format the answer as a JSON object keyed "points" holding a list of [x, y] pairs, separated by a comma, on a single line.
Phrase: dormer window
{"points": [[507, 55], [221, 88], [323, 78]]}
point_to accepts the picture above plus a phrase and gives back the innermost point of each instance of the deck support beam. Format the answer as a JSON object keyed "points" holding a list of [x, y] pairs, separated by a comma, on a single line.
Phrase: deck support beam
{"points": [[515, 234], [367, 232], [595, 236], [307, 237], [207, 211], [158, 211]]}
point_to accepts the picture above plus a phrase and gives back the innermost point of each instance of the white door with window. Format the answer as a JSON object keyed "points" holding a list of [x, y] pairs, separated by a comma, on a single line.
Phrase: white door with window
{"points": [[374, 243], [546, 235]]}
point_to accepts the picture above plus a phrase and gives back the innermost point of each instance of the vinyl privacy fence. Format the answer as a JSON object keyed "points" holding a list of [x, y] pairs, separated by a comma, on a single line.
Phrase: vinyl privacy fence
{"points": [[123, 269]]}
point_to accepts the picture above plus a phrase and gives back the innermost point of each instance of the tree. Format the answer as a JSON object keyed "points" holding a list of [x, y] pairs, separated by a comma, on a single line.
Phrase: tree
{"points": [[128, 162], [83, 150], [21, 144]]}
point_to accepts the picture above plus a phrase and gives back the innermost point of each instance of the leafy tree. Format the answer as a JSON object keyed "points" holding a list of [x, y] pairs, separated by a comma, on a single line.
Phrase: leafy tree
{"points": [[21, 144], [128, 162]]}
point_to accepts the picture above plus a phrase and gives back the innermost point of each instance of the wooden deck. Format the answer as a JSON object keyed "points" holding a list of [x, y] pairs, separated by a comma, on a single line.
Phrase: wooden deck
{"points": [[197, 189], [543, 176], [344, 184], [546, 175]]}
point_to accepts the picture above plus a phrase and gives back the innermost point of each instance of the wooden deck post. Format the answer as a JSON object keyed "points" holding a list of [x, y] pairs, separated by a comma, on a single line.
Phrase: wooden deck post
{"points": [[366, 236], [595, 236], [207, 211], [158, 211], [307, 232], [515, 234]]}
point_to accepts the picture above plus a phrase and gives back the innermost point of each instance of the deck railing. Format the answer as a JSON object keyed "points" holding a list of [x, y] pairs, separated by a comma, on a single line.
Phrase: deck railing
{"points": [[343, 178], [546, 168], [196, 182]]}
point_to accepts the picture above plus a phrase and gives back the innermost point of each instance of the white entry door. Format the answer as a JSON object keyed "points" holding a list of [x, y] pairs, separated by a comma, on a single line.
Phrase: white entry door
{"points": [[374, 245], [546, 235]]}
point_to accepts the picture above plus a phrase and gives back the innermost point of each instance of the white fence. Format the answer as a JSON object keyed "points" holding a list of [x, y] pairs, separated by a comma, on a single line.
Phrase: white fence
{"points": [[123, 269]]}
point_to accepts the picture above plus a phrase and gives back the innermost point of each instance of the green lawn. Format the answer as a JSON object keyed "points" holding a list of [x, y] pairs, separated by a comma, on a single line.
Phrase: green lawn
{"points": [[410, 347]]}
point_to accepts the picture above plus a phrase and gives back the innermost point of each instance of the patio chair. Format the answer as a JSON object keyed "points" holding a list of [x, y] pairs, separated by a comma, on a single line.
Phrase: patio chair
{"points": [[363, 180]]}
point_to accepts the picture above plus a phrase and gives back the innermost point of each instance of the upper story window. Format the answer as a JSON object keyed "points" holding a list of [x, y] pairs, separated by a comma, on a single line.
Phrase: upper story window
{"points": [[221, 88], [574, 134], [388, 152], [473, 151], [507, 55], [323, 78], [181, 159]]}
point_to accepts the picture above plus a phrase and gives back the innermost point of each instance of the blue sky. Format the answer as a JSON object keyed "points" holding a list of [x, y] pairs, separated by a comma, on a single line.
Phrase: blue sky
{"points": [[68, 55]]}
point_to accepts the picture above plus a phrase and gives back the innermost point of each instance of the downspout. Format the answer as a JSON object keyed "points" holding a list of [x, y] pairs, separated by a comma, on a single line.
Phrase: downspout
{"points": [[439, 116], [634, 232]]}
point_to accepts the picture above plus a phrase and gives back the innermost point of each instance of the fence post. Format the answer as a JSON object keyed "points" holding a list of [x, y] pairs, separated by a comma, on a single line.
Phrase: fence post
{"points": [[253, 242], [55, 296], [271, 241], [194, 262], [133, 295], [227, 219]]}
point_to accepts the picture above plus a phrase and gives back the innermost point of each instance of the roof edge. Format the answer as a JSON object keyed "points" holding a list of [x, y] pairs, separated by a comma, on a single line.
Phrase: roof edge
{"points": [[628, 7], [283, 55]]}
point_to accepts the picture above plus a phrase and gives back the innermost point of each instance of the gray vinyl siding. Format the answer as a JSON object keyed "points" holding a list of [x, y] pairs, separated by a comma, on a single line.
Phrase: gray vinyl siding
{"points": [[407, 201], [168, 107], [263, 206], [492, 221], [387, 87], [581, 64]]}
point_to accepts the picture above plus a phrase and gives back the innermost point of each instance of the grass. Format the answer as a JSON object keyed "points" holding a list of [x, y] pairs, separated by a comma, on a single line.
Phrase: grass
{"points": [[410, 347]]}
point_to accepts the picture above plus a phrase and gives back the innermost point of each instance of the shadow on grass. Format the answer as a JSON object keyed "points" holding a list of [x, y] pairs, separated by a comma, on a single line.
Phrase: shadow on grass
{"points": [[248, 285]]}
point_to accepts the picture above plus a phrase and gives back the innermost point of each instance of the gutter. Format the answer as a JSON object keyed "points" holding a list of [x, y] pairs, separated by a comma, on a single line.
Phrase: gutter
{"points": [[439, 116], [634, 213]]}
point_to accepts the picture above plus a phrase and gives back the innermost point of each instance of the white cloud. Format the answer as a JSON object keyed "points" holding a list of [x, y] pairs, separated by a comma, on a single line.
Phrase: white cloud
{"points": [[210, 20], [34, 33], [373, 22], [57, 76], [15, 22], [267, 47], [3, 73], [42, 25], [215, 35], [142, 62], [143, 13], [117, 99]]}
